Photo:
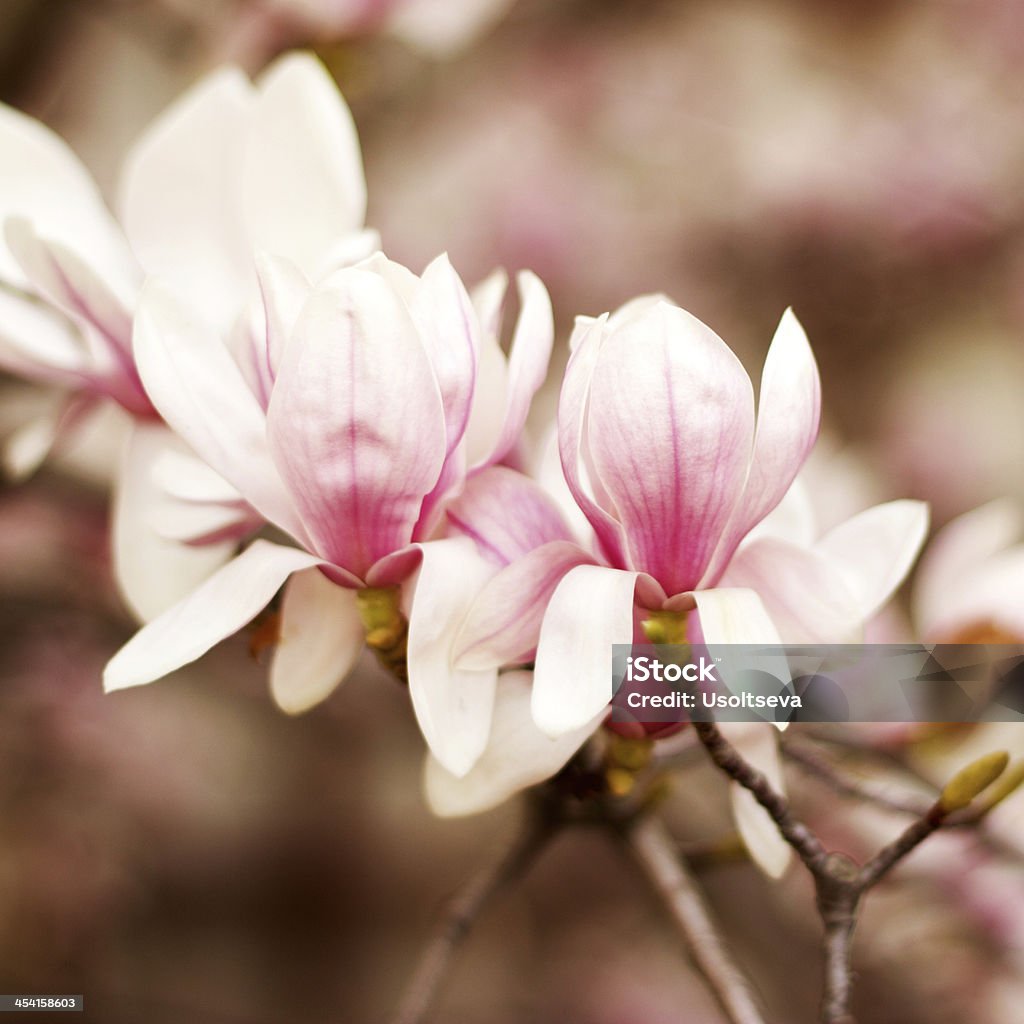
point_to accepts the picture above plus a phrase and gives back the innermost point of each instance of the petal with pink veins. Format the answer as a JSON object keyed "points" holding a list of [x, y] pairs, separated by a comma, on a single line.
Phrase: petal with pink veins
{"points": [[453, 705], [506, 513], [518, 755], [591, 609], [218, 608], [321, 636], [355, 423], [670, 429], [504, 620]]}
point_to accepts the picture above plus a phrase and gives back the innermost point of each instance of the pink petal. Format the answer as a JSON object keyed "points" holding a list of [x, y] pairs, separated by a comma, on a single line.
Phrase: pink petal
{"points": [[670, 430], [303, 189], [591, 609], [503, 624], [875, 549], [221, 606], [788, 416], [199, 390], [453, 705], [356, 423], [152, 572], [507, 514], [321, 638], [518, 755], [586, 343], [179, 201]]}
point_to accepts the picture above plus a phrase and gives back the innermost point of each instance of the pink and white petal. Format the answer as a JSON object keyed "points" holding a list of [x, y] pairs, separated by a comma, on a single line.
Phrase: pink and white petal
{"points": [[43, 181], [25, 450], [218, 608], [39, 344], [356, 424], [528, 359], [447, 322], [671, 422], [518, 755], [591, 609], [507, 514], [153, 572], [803, 593], [284, 291], [302, 179], [793, 520], [321, 637], [453, 705], [178, 195], [875, 549], [988, 598], [788, 417], [586, 343], [759, 746], [504, 621], [490, 398], [956, 551], [199, 390]]}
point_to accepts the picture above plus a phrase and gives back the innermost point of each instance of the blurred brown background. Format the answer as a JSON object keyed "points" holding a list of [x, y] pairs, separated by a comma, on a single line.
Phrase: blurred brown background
{"points": [[185, 853]]}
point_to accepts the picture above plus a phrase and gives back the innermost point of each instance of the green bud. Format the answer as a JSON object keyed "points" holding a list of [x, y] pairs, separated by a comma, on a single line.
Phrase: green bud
{"points": [[972, 780], [665, 627]]}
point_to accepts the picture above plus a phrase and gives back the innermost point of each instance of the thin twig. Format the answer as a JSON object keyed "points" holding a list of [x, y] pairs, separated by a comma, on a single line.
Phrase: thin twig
{"points": [[806, 844], [462, 912], [824, 770], [655, 852], [894, 852]]}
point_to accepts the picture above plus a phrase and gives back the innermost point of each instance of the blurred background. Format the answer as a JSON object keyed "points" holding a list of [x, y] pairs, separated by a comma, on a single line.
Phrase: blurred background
{"points": [[184, 852]]}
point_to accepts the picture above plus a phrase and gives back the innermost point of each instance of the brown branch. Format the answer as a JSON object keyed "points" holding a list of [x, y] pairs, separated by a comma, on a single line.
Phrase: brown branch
{"points": [[461, 913], [806, 844], [889, 856], [654, 850]]}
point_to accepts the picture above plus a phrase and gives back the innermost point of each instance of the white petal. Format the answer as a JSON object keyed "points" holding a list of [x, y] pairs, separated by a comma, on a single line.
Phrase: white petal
{"points": [[453, 706], [518, 755], [302, 185], [759, 746], [37, 343], [321, 637], [875, 550], [591, 609], [221, 606], [44, 182], [199, 390], [178, 196], [734, 616], [152, 572]]}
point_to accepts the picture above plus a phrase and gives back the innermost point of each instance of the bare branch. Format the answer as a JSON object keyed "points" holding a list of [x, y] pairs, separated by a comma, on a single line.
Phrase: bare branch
{"points": [[806, 844], [655, 852], [461, 913]]}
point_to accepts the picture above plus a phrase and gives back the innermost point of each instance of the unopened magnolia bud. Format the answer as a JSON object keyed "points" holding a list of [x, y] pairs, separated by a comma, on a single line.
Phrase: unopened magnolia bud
{"points": [[1008, 784], [972, 780]]}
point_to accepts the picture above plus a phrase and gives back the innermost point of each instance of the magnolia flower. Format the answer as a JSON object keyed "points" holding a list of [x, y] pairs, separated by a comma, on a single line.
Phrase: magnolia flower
{"points": [[663, 453], [228, 167], [971, 579], [366, 408]]}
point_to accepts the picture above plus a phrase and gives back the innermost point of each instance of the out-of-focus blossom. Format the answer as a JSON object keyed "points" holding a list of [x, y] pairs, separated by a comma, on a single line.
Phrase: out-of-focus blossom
{"points": [[351, 420], [970, 585], [437, 28], [231, 166]]}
